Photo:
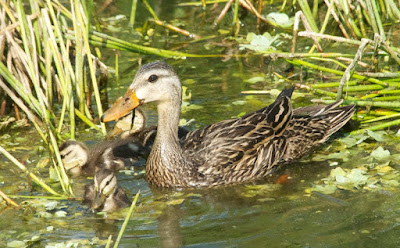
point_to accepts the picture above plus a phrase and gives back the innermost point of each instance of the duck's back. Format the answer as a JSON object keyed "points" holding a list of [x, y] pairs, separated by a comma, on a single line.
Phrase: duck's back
{"points": [[246, 148], [243, 148], [312, 126]]}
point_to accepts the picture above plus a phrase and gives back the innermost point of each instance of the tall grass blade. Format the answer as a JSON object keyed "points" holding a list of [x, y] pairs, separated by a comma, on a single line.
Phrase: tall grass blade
{"points": [[128, 216]]}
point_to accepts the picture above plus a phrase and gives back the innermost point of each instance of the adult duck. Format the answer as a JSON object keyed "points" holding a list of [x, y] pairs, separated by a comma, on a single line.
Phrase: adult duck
{"points": [[229, 151]]}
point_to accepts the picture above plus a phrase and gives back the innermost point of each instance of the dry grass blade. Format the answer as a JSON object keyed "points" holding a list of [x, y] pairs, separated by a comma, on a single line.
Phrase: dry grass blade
{"points": [[350, 69], [24, 169], [8, 199]]}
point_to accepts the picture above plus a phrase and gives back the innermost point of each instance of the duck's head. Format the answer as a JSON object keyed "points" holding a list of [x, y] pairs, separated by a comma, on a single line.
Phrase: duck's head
{"points": [[74, 156], [154, 82], [105, 184]]}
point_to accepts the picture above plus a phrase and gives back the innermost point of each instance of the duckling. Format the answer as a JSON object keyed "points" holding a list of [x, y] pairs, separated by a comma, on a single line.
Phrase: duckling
{"points": [[114, 155], [130, 124], [104, 194], [118, 153]]}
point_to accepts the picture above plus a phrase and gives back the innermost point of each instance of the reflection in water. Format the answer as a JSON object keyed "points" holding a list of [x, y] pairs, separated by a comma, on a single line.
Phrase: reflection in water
{"points": [[106, 227], [169, 228]]}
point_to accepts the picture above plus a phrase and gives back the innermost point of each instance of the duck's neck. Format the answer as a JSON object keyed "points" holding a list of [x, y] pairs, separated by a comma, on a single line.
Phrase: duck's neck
{"points": [[168, 123], [166, 162]]}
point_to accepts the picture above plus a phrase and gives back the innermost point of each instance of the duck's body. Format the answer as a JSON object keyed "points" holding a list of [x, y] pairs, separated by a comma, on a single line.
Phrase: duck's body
{"points": [[230, 151], [105, 194]]}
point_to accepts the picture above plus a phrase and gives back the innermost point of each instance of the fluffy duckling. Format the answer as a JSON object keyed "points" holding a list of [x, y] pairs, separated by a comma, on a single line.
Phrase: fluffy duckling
{"points": [[114, 155], [134, 144], [105, 195], [130, 124]]}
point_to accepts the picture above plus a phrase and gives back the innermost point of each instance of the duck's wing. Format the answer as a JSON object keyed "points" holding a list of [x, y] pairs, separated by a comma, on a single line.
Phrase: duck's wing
{"points": [[89, 194], [121, 198], [310, 127], [243, 146]]}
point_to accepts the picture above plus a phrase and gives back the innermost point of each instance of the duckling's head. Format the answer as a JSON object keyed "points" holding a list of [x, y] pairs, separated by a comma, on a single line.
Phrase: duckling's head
{"points": [[133, 122], [154, 82], [105, 184], [74, 156]]}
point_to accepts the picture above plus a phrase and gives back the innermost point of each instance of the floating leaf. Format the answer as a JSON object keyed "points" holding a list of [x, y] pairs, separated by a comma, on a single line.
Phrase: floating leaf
{"points": [[260, 43], [254, 80], [50, 205], [380, 153], [384, 169], [280, 19], [378, 136], [355, 179], [338, 171], [53, 174], [60, 213], [368, 177], [16, 244], [351, 141], [187, 106], [188, 81], [344, 156], [326, 189], [44, 214]]}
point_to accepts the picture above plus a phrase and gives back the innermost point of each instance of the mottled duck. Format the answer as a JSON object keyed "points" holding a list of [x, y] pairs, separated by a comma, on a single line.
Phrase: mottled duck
{"points": [[230, 151]]}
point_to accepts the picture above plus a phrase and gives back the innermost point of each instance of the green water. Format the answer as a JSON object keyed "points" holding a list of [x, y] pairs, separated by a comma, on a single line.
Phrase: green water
{"points": [[260, 214]]}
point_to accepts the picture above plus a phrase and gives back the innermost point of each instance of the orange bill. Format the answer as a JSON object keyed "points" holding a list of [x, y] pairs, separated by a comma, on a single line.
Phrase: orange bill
{"points": [[121, 107]]}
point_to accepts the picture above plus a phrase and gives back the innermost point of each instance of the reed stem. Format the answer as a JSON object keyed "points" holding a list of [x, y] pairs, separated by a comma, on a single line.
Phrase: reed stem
{"points": [[30, 174], [128, 216]]}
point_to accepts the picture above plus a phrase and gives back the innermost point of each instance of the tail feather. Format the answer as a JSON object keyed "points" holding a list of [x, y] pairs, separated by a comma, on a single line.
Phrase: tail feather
{"points": [[312, 126], [279, 113], [339, 117], [315, 110]]}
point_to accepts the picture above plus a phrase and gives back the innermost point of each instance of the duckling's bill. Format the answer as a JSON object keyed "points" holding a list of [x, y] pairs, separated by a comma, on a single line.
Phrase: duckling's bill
{"points": [[98, 201], [121, 107]]}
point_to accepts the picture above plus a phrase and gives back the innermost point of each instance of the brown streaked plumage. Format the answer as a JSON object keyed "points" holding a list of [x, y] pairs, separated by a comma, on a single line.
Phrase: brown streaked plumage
{"points": [[105, 194], [230, 151]]}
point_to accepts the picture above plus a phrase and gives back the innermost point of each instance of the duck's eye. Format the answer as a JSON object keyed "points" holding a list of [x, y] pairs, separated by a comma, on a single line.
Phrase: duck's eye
{"points": [[153, 78]]}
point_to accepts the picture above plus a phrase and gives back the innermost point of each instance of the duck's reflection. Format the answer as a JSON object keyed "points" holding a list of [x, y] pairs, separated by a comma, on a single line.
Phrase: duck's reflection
{"points": [[169, 228]]}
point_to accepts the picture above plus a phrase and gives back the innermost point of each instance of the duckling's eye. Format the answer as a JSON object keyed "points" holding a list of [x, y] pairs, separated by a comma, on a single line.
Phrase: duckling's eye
{"points": [[153, 78]]}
